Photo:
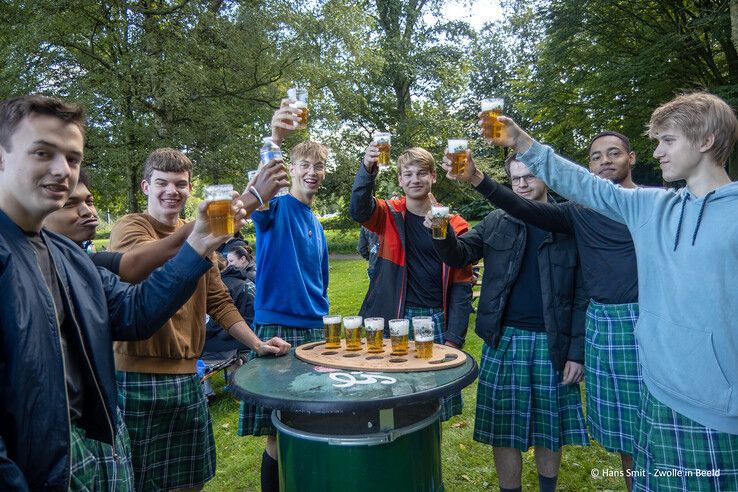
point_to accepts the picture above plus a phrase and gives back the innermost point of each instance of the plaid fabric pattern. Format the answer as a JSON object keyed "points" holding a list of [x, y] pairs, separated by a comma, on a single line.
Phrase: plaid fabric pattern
{"points": [[452, 404], [83, 461], [170, 430], [115, 471], [255, 420], [671, 451], [612, 375], [520, 402]]}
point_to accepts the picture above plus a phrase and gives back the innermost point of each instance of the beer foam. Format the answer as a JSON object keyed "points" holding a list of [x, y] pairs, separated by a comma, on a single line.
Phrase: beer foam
{"points": [[399, 327], [455, 146], [424, 338], [299, 104], [352, 322], [374, 324], [438, 211], [332, 319], [493, 104]]}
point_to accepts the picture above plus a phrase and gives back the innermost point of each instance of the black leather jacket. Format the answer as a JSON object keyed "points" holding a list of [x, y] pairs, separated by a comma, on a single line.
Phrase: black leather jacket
{"points": [[500, 240], [34, 416]]}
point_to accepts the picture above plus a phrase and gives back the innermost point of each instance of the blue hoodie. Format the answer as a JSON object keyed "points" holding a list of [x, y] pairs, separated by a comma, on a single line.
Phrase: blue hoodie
{"points": [[687, 254]]}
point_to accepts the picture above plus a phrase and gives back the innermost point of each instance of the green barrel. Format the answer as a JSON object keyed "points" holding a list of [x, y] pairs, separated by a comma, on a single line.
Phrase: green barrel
{"points": [[356, 451]]}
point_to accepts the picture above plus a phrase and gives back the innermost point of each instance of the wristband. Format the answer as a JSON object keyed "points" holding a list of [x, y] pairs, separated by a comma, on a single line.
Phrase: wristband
{"points": [[253, 191]]}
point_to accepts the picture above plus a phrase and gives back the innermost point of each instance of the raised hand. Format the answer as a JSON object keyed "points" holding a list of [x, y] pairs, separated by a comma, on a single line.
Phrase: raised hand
{"points": [[270, 179], [284, 121], [201, 239], [371, 157]]}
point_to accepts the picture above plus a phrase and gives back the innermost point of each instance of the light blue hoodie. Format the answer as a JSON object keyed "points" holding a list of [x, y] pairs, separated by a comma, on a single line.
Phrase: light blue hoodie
{"points": [[687, 254]]}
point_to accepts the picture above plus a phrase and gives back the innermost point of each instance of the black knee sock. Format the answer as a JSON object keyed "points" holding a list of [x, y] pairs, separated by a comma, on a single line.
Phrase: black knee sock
{"points": [[269, 473], [516, 489], [547, 484]]}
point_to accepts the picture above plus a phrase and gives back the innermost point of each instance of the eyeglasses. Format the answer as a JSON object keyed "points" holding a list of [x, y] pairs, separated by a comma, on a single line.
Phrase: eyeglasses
{"points": [[318, 168], [528, 178]]}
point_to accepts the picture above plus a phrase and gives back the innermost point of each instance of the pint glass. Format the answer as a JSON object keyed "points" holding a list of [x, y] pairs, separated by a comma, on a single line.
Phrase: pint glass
{"points": [[457, 149], [300, 96], [352, 331], [220, 212], [374, 328], [423, 333], [439, 221], [491, 109], [399, 329], [383, 141], [332, 328]]}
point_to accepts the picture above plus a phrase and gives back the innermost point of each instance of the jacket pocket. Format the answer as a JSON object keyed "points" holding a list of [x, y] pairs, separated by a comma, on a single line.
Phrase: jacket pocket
{"points": [[682, 362], [500, 241]]}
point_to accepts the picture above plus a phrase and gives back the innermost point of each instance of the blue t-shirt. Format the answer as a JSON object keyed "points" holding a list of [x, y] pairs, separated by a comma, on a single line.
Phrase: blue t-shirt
{"points": [[292, 261]]}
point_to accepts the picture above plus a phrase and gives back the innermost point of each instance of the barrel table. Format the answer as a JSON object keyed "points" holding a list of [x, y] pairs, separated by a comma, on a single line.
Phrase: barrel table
{"points": [[353, 430]]}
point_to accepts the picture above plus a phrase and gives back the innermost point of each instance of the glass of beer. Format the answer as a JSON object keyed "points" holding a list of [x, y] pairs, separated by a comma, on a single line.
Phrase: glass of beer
{"points": [[383, 140], [423, 333], [332, 328], [300, 96], [439, 218], [399, 329], [352, 331], [491, 109], [220, 212], [374, 328], [457, 148]]}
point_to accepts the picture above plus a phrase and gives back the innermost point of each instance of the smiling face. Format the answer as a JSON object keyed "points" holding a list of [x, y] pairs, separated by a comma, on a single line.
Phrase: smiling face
{"points": [[308, 173], [416, 180], [77, 219], [678, 157], [167, 194], [38, 168], [610, 159], [526, 184]]}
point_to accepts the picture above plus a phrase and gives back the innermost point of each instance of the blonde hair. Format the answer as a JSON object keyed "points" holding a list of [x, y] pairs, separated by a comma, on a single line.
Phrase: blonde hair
{"points": [[699, 115], [418, 156], [308, 148]]}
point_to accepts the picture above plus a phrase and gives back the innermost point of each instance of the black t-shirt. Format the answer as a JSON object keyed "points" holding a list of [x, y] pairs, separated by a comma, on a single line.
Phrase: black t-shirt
{"points": [[72, 360], [525, 305], [108, 260], [424, 284]]}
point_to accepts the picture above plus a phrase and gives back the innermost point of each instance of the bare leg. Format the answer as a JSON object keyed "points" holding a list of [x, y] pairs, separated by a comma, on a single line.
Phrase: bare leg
{"points": [[271, 446], [509, 466], [548, 463], [627, 461]]}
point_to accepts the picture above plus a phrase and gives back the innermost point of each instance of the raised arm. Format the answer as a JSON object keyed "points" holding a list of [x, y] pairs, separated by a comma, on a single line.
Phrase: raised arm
{"points": [[363, 207]]}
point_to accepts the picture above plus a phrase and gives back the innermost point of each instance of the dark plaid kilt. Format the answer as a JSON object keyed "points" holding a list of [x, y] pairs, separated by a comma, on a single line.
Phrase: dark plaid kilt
{"points": [[83, 461], [520, 401], [672, 451], [255, 420], [452, 404], [170, 429], [613, 375]]}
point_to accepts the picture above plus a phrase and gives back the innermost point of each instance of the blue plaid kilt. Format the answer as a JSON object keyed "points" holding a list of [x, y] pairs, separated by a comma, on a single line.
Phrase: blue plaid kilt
{"points": [[613, 379], [255, 420], [520, 400], [170, 429], [452, 404], [675, 453]]}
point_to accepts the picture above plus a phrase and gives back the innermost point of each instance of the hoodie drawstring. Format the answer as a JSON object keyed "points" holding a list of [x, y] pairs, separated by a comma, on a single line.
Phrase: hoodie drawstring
{"points": [[679, 225], [699, 217]]}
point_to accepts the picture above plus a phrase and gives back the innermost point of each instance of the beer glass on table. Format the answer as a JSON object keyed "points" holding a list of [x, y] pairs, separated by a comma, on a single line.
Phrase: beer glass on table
{"points": [[423, 333], [457, 149], [399, 329], [332, 329], [383, 141], [352, 331], [374, 328], [300, 96], [220, 212], [439, 221], [491, 109]]}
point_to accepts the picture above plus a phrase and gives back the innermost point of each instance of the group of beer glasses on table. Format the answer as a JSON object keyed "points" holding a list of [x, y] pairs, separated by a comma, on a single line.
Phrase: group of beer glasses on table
{"points": [[423, 333]]}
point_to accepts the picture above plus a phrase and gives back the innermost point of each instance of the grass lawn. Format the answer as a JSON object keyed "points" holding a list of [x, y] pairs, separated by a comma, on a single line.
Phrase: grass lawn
{"points": [[467, 465]]}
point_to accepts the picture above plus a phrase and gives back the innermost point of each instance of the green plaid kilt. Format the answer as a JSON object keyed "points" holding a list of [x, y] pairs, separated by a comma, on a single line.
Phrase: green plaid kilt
{"points": [[452, 404], [520, 401], [94, 460], [170, 429], [255, 420], [671, 450], [613, 375]]}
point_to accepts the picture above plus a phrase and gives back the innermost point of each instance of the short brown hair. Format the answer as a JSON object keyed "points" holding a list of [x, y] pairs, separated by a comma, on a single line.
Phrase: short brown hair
{"points": [[167, 160], [698, 115], [416, 155], [308, 148], [512, 156], [12, 112]]}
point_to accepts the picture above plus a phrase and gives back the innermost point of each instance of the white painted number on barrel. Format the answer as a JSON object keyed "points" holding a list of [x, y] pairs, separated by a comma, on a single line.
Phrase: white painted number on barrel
{"points": [[346, 380]]}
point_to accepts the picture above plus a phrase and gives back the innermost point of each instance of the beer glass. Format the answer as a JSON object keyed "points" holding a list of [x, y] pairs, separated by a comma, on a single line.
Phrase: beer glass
{"points": [[332, 328], [399, 329], [423, 333], [439, 219], [383, 141], [300, 96], [491, 109], [374, 328], [352, 331], [457, 149], [220, 212]]}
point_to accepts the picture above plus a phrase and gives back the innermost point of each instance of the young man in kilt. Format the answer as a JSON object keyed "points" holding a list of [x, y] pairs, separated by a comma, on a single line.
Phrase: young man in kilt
{"points": [[607, 255], [60, 313], [409, 278], [292, 265], [531, 317], [159, 392], [686, 243]]}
